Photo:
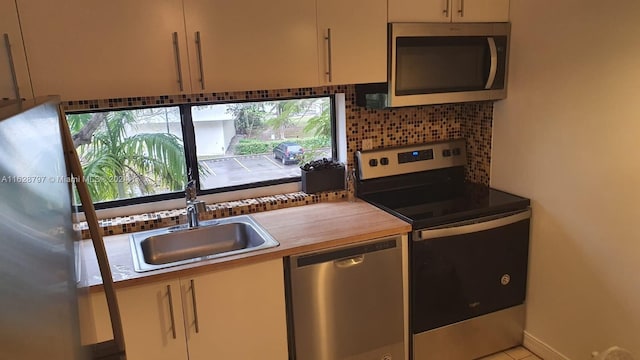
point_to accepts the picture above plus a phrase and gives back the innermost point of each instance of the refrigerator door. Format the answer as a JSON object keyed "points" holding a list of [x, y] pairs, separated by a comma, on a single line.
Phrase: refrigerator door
{"points": [[38, 302]]}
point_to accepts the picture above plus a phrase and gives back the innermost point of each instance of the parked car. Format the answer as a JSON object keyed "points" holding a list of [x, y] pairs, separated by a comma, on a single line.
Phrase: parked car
{"points": [[288, 152]]}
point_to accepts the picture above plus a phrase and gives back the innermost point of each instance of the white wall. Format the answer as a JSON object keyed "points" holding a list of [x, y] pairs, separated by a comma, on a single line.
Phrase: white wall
{"points": [[213, 137], [568, 136]]}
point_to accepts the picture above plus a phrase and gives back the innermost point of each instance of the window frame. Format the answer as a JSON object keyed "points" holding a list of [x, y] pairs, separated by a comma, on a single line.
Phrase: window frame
{"points": [[189, 146]]}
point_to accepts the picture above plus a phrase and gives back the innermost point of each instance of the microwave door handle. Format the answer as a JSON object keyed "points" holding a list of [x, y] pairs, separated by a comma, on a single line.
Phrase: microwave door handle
{"points": [[494, 63]]}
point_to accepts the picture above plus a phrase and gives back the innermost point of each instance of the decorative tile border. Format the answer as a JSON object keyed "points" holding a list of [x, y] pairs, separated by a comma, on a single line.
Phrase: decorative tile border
{"points": [[130, 224], [381, 127]]}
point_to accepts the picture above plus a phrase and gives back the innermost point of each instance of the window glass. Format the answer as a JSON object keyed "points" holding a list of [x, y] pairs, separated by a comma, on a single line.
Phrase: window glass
{"points": [[130, 153], [244, 143], [139, 155]]}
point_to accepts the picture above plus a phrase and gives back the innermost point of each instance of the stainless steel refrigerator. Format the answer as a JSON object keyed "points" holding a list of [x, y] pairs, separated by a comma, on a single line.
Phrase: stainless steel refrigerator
{"points": [[39, 316]]}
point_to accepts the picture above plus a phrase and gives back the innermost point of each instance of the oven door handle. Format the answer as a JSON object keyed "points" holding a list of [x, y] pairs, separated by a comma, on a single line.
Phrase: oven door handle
{"points": [[472, 226]]}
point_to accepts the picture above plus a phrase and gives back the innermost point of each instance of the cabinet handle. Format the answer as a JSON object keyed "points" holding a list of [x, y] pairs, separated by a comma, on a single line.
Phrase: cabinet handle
{"points": [[173, 320], [461, 9], [200, 63], [12, 68], [445, 12], [195, 307], [176, 49], [329, 65]]}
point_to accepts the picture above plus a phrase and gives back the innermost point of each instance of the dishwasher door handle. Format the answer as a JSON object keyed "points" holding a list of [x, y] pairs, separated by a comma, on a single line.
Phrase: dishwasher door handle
{"points": [[353, 261]]}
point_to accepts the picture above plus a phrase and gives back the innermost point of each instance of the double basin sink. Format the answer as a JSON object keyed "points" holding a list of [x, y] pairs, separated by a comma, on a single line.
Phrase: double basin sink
{"points": [[179, 245]]}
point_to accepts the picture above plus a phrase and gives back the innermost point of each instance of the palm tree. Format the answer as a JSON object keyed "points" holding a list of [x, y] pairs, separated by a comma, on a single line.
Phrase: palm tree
{"points": [[320, 125], [285, 113], [117, 165], [247, 117]]}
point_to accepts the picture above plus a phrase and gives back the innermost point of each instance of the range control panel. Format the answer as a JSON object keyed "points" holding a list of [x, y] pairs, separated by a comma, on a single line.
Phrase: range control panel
{"points": [[408, 159]]}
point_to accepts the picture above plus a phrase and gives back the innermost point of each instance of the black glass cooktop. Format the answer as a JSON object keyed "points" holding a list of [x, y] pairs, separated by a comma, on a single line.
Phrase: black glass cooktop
{"points": [[428, 206]]}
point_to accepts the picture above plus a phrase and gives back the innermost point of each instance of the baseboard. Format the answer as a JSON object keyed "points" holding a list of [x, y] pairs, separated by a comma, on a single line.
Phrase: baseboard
{"points": [[541, 349]]}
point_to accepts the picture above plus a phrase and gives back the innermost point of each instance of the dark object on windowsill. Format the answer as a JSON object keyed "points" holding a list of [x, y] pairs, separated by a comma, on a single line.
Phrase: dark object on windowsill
{"points": [[322, 175]]}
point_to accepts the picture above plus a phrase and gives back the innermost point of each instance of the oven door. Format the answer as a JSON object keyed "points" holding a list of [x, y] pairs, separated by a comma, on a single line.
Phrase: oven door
{"points": [[467, 269]]}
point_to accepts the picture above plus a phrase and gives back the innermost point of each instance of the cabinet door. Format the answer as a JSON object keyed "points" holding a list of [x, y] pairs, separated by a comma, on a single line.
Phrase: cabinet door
{"points": [[420, 10], [10, 26], [149, 321], [480, 10], [356, 50], [83, 49], [240, 313], [252, 45], [101, 330]]}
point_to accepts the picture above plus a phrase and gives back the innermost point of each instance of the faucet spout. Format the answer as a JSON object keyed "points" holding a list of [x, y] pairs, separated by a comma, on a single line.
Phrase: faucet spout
{"points": [[194, 206]]}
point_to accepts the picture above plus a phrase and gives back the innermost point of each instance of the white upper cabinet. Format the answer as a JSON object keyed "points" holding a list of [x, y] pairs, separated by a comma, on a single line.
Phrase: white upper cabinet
{"points": [[83, 49], [480, 10], [420, 10], [352, 41], [93, 49], [448, 10], [251, 45], [13, 63]]}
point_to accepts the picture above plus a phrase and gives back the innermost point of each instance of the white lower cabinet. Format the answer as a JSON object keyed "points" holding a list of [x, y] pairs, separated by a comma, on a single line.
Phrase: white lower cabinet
{"points": [[237, 313], [153, 321], [240, 313]]}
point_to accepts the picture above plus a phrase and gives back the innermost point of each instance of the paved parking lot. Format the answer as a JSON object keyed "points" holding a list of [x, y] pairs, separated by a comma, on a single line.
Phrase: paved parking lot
{"points": [[239, 170]]}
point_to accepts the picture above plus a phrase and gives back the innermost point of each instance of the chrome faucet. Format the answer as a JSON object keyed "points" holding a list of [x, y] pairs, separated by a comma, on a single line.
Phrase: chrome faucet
{"points": [[194, 206]]}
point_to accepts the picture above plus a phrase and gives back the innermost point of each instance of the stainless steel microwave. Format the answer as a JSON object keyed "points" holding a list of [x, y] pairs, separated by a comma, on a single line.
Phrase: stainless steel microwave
{"points": [[441, 63]]}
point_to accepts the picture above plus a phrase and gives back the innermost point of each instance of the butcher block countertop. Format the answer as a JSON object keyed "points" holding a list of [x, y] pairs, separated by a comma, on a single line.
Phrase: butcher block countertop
{"points": [[297, 229]]}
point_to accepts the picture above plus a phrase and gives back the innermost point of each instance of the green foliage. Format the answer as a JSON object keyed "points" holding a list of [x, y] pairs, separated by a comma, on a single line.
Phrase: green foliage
{"points": [[320, 125], [314, 142], [77, 122], [314, 148], [252, 147], [249, 146], [117, 165], [286, 113], [247, 117]]}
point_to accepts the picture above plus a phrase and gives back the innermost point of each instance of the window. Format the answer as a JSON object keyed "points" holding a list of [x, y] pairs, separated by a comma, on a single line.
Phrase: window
{"points": [[140, 155], [130, 153]]}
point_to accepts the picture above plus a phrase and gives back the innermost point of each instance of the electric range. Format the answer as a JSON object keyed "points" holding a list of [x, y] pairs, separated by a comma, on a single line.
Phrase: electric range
{"points": [[468, 248]]}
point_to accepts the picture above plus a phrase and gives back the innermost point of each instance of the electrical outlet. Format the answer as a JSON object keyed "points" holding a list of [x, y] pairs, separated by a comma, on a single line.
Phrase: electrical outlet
{"points": [[367, 144]]}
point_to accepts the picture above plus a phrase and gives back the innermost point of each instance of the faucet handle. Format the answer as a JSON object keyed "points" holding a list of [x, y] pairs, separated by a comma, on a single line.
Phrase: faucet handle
{"points": [[200, 206]]}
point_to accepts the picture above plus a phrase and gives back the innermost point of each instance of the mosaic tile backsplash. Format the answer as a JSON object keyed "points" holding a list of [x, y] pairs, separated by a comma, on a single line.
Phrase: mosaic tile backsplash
{"points": [[381, 128]]}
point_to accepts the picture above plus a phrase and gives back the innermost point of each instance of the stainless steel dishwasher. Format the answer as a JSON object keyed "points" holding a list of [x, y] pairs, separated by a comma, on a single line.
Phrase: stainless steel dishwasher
{"points": [[348, 303]]}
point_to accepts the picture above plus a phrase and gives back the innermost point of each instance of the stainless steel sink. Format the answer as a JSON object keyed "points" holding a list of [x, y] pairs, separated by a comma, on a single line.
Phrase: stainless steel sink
{"points": [[156, 249]]}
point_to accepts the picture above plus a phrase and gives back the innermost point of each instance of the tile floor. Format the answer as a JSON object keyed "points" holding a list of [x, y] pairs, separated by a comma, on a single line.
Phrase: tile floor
{"points": [[516, 353]]}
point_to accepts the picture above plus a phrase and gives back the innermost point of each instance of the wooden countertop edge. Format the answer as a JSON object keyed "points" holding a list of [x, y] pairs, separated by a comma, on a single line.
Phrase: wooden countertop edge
{"points": [[325, 237]]}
